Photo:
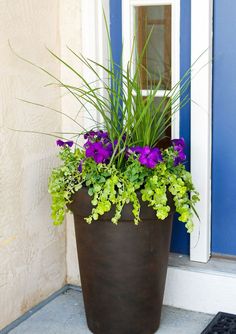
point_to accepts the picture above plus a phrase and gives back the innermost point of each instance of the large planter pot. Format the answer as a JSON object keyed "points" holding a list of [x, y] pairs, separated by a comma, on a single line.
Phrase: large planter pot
{"points": [[123, 268]]}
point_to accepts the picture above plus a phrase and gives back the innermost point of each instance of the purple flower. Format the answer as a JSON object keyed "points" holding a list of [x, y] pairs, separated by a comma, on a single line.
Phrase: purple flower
{"points": [[101, 134], [99, 146], [132, 150], [98, 152], [89, 134], [87, 143], [179, 145], [179, 160], [109, 146], [150, 157], [136, 149], [80, 165], [62, 143], [96, 135]]}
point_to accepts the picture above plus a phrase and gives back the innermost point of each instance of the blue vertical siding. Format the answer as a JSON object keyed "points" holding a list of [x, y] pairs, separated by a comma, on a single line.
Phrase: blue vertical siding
{"points": [[180, 239], [116, 29], [224, 129]]}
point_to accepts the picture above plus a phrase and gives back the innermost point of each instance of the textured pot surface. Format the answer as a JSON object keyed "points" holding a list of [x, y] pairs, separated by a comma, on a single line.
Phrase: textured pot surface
{"points": [[123, 268]]}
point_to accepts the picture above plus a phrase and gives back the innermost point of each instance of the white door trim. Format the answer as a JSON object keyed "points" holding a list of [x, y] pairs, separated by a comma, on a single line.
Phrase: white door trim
{"points": [[95, 42], [82, 27], [128, 36], [201, 125]]}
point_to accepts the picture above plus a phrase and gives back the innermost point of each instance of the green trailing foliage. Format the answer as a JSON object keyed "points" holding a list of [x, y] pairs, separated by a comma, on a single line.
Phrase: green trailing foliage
{"points": [[111, 186]]}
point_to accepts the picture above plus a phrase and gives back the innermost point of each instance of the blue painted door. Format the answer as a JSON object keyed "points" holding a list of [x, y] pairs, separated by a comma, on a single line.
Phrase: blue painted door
{"points": [[224, 129], [180, 239]]}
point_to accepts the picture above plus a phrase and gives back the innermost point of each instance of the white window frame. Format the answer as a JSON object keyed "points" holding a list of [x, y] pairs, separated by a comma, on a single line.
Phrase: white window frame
{"points": [[128, 14]]}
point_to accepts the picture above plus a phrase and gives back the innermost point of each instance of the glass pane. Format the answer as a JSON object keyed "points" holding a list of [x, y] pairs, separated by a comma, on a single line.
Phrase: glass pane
{"points": [[157, 57], [161, 111]]}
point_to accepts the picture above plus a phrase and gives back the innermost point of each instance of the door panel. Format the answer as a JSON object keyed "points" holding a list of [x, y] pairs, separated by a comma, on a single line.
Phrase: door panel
{"points": [[224, 129]]}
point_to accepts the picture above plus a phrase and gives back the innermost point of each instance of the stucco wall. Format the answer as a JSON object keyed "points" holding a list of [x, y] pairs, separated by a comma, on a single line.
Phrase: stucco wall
{"points": [[32, 251]]}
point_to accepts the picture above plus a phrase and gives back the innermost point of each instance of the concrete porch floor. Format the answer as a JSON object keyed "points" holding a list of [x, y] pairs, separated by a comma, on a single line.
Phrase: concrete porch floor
{"points": [[65, 315]]}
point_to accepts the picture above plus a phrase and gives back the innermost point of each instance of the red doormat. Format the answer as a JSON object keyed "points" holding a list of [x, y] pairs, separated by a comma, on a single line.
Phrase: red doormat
{"points": [[222, 323]]}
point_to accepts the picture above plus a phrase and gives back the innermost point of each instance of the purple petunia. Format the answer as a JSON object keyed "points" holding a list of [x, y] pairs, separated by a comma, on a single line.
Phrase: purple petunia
{"points": [[132, 150], [90, 134], [99, 152], [62, 143], [96, 135], [178, 142], [136, 149], [99, 145], [148, 157], [179, 145], [87, 143], [80, 167]]}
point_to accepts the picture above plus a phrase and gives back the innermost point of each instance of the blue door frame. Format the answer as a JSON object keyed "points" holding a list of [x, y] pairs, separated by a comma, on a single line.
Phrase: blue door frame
{"points": [[180, 239]]}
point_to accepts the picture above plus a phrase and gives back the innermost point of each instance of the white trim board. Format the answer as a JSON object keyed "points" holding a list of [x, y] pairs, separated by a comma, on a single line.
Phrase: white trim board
{"points": [[95, 43], [201, 44], [128, 36], [82, 27], [207, 288]]}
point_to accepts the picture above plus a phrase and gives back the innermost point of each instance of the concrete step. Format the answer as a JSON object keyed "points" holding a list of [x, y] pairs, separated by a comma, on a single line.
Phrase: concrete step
{"points": [[65, 315]]}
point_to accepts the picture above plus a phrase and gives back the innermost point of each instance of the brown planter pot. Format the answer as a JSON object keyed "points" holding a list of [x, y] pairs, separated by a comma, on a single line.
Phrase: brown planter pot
{"points": [[123, 268]]}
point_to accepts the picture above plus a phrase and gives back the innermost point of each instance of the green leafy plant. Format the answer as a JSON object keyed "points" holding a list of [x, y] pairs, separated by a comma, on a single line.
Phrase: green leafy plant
{"points": [[110, 186], [122, 160]]}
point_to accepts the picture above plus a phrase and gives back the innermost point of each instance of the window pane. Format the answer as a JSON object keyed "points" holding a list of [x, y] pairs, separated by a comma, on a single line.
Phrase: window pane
{"points": [[161, 111], [157, 58]]}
